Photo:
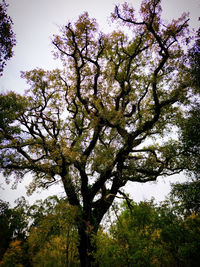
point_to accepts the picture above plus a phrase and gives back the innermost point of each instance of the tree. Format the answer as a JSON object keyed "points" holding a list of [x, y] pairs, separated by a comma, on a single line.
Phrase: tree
{"points": [[5, 234], [13, 224], [14, 255], [53, 236], [190, 138], [148, 234], [133, 238], [179, 235], [44, 233], [7, 37], [102, 120], [186, 196], [189, 134], [194, 62]]}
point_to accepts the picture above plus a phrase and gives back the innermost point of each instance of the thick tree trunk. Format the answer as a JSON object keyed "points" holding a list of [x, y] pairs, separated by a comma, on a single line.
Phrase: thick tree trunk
{"points": [[87, 247]]}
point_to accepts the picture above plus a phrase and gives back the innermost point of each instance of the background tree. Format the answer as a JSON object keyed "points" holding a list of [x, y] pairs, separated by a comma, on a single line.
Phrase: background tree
{"points": [[13, 224], [148, 234], [14, 229], [14, 255], [179, 234], [103, 119], [190, 138], [194, 64], [7, 37], [186, 197], [133, 238], [5, 235], [44, 233], [53, 236], [189, 134]]}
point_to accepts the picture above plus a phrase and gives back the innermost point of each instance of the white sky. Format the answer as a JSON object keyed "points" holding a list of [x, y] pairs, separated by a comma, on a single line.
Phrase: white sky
{"points": [[35, 22]]}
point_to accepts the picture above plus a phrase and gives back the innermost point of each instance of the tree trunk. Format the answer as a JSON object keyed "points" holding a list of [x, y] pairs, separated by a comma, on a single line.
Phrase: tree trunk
{"points": [[87, 246]]}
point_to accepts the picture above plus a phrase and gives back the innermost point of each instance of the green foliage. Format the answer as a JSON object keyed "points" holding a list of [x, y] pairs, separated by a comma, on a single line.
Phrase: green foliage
{"points": [[136, 234], [180, 237], [7, 37], [189, 126], [53, 236], [186, 197], [13, 256], [13, 224], [190, 138], [150, 235], [11, 107], [43, 234], [194, 61]]}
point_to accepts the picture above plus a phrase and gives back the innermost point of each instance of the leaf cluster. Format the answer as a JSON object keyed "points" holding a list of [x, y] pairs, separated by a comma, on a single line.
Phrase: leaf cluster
{"points": [[7, 36]]}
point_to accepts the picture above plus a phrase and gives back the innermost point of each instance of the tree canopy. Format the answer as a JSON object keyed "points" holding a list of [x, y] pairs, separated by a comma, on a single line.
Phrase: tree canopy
{"points": [[106, 118]]}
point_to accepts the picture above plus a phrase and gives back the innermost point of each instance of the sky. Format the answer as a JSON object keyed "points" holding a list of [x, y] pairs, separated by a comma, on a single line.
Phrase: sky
{"points": [[35, 22]]}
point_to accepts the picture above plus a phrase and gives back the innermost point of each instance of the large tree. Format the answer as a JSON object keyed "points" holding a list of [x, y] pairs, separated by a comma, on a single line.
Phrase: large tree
{"points": [[105, 119]]}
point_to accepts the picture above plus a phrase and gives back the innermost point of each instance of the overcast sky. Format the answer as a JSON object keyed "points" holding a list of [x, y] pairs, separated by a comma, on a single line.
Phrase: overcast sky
{"points": [[35, 22]]}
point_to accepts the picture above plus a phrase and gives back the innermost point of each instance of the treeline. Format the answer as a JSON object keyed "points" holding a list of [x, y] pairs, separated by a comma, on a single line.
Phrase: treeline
{"points": [[135, 234]]}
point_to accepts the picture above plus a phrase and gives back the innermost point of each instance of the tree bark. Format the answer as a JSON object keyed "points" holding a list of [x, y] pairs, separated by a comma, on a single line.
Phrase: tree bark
{"points": [[87, 247]]}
